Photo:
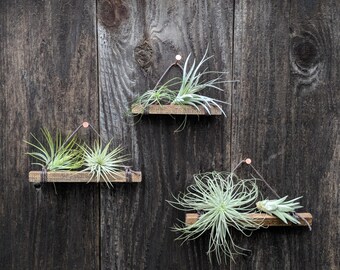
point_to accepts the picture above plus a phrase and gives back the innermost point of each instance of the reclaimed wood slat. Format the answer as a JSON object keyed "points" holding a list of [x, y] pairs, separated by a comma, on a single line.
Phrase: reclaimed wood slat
{"points": [[78, 177], [286, 118], [136, 42], [264, 219], [48, 78], [175, 110]]}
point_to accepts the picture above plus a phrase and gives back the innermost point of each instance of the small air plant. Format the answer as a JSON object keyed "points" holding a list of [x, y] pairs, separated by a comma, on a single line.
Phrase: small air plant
{"points": [[102, 162], [281, 208], [158, 96], [192, 84], [223, 201], [58, 155]]}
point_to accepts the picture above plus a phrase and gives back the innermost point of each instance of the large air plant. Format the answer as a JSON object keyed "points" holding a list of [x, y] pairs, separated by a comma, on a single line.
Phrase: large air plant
{"points": [[102, 162], [224, 202], [193, 82], [56, 154]]}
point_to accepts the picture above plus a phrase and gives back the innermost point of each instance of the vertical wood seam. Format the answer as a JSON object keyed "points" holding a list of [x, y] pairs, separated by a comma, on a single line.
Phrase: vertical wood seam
{"points": [[232, 97], [233, 86], [98, 128]]}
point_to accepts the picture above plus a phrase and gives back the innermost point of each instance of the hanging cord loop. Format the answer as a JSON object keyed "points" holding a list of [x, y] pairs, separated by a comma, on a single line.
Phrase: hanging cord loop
{"points": [[248, 162], [175, 64]]}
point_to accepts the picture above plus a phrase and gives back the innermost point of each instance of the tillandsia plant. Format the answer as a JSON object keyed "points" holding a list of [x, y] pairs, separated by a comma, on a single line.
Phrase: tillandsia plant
{"points": [[281, 208], [223, 201], [192, 84], [56, 154], [102, 162], [159, 95]]}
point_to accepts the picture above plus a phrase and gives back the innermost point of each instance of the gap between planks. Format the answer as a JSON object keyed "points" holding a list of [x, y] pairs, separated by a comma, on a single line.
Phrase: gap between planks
{"points": [[175, 110], [81, 177], [263, 219]]}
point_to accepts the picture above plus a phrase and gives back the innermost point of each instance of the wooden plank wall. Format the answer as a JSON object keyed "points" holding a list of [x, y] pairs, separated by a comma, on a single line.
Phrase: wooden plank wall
{"points": [[65, 61]]}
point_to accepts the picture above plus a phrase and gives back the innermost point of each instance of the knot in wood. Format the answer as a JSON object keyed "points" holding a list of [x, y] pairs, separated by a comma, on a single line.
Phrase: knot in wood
{"points": [[112, 13], [143, 55], [305, 53]]}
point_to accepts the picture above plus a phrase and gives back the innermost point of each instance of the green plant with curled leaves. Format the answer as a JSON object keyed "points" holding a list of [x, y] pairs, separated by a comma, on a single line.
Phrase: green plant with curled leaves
{"points": [[224, 202]]}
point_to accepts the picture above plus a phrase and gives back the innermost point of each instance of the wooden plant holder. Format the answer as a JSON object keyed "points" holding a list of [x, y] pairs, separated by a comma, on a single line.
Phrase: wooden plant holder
{"points": [[263, 219], [174, 110], [81, 177]]}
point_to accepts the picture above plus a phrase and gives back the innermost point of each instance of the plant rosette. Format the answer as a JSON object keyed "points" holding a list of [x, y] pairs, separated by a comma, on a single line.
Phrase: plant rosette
{"points": [[102, 162], [281, 208], [224, 202]]}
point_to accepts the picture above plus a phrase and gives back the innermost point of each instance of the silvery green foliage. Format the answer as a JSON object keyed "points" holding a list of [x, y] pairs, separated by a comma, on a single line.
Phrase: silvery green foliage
{"points": [[102, 162], [224, 202], [280, 208], [193, 82], [157, 96], [187, 88]]}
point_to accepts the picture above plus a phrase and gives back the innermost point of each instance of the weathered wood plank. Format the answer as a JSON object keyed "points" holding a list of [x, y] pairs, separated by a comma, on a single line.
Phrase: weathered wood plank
{"points": [[175, 110], [137, 42], [285, 117], [81, 177], [47, 79], [263, 219]]}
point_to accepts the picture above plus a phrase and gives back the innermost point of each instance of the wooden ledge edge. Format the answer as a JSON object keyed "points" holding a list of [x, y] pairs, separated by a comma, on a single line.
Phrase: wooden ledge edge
{"points": [[82, 177], [174, 110], [264, 219]]}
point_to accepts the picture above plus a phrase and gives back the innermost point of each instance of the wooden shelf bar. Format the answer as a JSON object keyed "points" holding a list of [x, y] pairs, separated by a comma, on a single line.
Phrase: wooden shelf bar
{"points": [[264, 219], [78, 177], [175, 110]]}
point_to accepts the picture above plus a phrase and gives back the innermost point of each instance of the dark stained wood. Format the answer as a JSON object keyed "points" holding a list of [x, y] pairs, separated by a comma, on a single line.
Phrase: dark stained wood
{"points": [[263, 219], [78, 177], [134, 50], [47, 79], [285, 117], [175, 110]]}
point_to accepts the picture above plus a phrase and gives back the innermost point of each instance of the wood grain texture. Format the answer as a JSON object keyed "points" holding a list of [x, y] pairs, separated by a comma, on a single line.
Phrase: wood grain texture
{"points": [[263, 219], [174, 110], [47, 79], [81, 177], [285, 117], [134, 50]]}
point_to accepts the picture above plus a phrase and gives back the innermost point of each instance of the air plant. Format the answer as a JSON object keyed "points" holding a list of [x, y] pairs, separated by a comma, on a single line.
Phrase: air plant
{"points": [[223, 201], [102, 162], [159, 95], [281, 208], [59, 154], [192, 84]]}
